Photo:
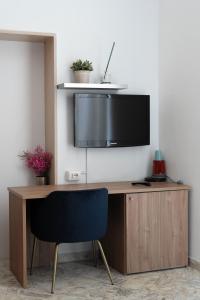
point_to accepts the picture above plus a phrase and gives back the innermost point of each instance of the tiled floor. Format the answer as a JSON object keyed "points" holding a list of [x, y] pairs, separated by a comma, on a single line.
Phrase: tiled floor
{"points": [[81, 281]]}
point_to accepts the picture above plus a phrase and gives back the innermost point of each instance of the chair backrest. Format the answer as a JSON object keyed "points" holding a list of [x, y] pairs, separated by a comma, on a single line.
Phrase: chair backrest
{"points": [[70, 216]]}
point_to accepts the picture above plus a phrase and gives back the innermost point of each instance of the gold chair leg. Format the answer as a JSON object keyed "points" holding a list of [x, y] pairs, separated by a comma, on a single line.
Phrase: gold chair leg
{"points": [[105, 261], [94, 253], [33, 254], [54, 269]]}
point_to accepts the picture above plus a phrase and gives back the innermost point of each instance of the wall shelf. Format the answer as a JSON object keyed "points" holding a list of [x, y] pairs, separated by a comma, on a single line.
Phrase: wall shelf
{"points": [[92, 86]]}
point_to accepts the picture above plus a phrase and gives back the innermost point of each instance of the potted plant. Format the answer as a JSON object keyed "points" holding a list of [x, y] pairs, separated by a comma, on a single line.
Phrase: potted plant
{"points": [[39, 161], [82, 70]]}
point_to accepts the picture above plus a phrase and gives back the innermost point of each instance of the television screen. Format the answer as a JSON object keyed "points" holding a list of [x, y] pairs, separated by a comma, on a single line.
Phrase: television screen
{"points": [[111, 120]]}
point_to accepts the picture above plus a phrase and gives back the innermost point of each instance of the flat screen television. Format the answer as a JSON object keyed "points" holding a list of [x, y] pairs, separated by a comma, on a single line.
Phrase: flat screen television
{"points": [[111, 120]]}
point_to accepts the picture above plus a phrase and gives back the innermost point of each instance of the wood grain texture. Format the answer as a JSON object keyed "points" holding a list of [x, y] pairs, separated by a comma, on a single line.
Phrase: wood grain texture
{"points": [[114, 242], [51, 104], [17, 229], [34, 192], [174, 228], [157, 231], [24, 36], [147, 227]]}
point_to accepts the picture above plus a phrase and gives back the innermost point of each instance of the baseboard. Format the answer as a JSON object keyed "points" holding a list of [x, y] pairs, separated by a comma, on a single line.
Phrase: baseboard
{"points": [[194, 263], [74, 256]]}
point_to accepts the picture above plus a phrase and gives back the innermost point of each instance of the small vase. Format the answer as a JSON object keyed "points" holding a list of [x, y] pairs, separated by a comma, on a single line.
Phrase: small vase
{"points": [[82, 76], [41, 180]]}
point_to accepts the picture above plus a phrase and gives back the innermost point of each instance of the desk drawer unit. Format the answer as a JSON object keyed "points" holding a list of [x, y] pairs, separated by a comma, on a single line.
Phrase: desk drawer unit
{"points": [[148, 231], [157, 231]]}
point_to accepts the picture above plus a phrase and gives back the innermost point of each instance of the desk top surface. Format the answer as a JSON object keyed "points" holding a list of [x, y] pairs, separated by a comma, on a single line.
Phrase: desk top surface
{"points": [[41, 191]]}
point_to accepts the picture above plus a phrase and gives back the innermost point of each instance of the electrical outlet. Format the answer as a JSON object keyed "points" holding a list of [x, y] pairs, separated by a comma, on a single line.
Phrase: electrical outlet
{"points": [[73, 175]]}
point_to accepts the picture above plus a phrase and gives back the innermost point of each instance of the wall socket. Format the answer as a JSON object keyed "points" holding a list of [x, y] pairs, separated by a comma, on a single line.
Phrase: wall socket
{"points": [[73, 175]]}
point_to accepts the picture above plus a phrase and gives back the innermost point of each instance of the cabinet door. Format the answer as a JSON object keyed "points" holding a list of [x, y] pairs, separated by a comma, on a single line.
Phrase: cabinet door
{"points": [[157, 230]]}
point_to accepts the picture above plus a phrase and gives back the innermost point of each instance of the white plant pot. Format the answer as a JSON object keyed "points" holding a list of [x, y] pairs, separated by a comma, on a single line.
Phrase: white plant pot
{"points": [[82, 76]]}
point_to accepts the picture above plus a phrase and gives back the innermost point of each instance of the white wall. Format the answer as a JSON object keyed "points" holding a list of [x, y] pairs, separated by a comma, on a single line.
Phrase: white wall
{"points": [[180, 100], [21, 118], [133, 25], [86, 29]]}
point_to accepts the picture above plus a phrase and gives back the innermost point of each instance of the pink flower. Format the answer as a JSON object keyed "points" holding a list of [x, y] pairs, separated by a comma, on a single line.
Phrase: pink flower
{"points": [[38, 160]]}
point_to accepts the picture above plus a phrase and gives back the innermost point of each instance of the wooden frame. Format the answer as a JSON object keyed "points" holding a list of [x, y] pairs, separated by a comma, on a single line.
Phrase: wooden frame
{"points": [[49, 40]]}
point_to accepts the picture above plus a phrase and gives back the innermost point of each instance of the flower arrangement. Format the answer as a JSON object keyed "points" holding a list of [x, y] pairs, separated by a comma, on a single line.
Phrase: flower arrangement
{"points": [[39, 160]]}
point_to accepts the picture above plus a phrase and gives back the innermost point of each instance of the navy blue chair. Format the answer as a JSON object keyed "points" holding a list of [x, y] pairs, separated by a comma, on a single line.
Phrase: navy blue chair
{"points": [[70, 217]]}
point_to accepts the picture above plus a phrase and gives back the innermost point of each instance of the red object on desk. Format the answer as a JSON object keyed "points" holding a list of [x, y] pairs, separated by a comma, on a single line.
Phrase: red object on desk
{"points": [[159, 167]]}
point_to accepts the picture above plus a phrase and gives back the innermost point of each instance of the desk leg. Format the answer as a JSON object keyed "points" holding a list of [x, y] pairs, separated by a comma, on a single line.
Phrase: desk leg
{"points": [[18, 247]]}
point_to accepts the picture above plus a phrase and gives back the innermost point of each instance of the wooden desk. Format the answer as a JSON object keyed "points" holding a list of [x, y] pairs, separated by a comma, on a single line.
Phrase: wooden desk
{"points": [[144, 222]]}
